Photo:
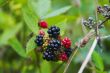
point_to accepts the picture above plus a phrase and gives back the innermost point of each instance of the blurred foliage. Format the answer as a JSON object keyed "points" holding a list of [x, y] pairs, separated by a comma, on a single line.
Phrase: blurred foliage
{"points": [[18, 18]]}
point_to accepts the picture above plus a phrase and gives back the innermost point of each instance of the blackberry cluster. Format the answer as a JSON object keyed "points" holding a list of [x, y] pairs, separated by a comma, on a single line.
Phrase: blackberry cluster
{"points": [[49, 55], [91, 23], [39, 40], [53, 47], [104, 10], [54, 32]]}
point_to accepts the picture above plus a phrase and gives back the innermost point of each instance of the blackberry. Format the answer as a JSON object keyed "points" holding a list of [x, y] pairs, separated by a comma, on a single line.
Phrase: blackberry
{"points": [[49, 55], [54, 31], [68, 52], [39, 40], [54, 45]]}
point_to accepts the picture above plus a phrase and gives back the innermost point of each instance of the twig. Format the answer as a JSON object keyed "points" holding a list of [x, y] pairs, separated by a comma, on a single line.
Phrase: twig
{"points": [[69, 61], [82, 43], [103, 22], [88, 56], [79, 44]]}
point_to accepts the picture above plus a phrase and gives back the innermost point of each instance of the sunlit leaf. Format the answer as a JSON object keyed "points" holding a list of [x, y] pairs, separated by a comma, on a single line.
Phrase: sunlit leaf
{"points": [[57, 12], [62, 25], [41, 7]]}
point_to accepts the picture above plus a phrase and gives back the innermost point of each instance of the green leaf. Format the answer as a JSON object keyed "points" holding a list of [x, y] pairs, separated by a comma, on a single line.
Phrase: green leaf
{"points": [[45, 67], [16, 45], [2, 2], [6, 21], [30, 19], [41, 7], [62, 25], [30, 45], [57, 12], [55, 20], [9, 33], [97, 60]]}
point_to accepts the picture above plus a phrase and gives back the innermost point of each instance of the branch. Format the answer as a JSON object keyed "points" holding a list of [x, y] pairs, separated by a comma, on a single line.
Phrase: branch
{"points": [[103, 22], [69, 61], [88, 56], [82, 43]]}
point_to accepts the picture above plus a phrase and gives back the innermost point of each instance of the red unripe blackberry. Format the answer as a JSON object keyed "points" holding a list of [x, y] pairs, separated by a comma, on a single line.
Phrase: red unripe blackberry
{"points": [[41, 32], [53, 32], [63, 56], [66, 42], [43, 24], [39, 40]]}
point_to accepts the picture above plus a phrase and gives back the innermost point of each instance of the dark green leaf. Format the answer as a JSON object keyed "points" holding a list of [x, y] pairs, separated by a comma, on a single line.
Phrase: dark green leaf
{"points": [[97, 60], [9, 33]]}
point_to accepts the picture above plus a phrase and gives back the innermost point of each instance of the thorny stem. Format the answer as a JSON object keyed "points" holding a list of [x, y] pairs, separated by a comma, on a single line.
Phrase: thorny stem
{"points": [[88, 56], [79, 44], [82, 43], [69, 61], [103, 22]]}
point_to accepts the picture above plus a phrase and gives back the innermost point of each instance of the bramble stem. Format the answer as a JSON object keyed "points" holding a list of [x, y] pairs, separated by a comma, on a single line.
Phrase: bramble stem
{"points": [[88, 56], [79, 44], [82, 43]]}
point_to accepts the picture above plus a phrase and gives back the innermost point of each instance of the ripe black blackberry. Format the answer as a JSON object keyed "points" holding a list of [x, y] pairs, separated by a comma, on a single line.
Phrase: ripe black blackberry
{"points": [[54, 45], [39, 40], [68, 52], [54, 31], [49, 55]]}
